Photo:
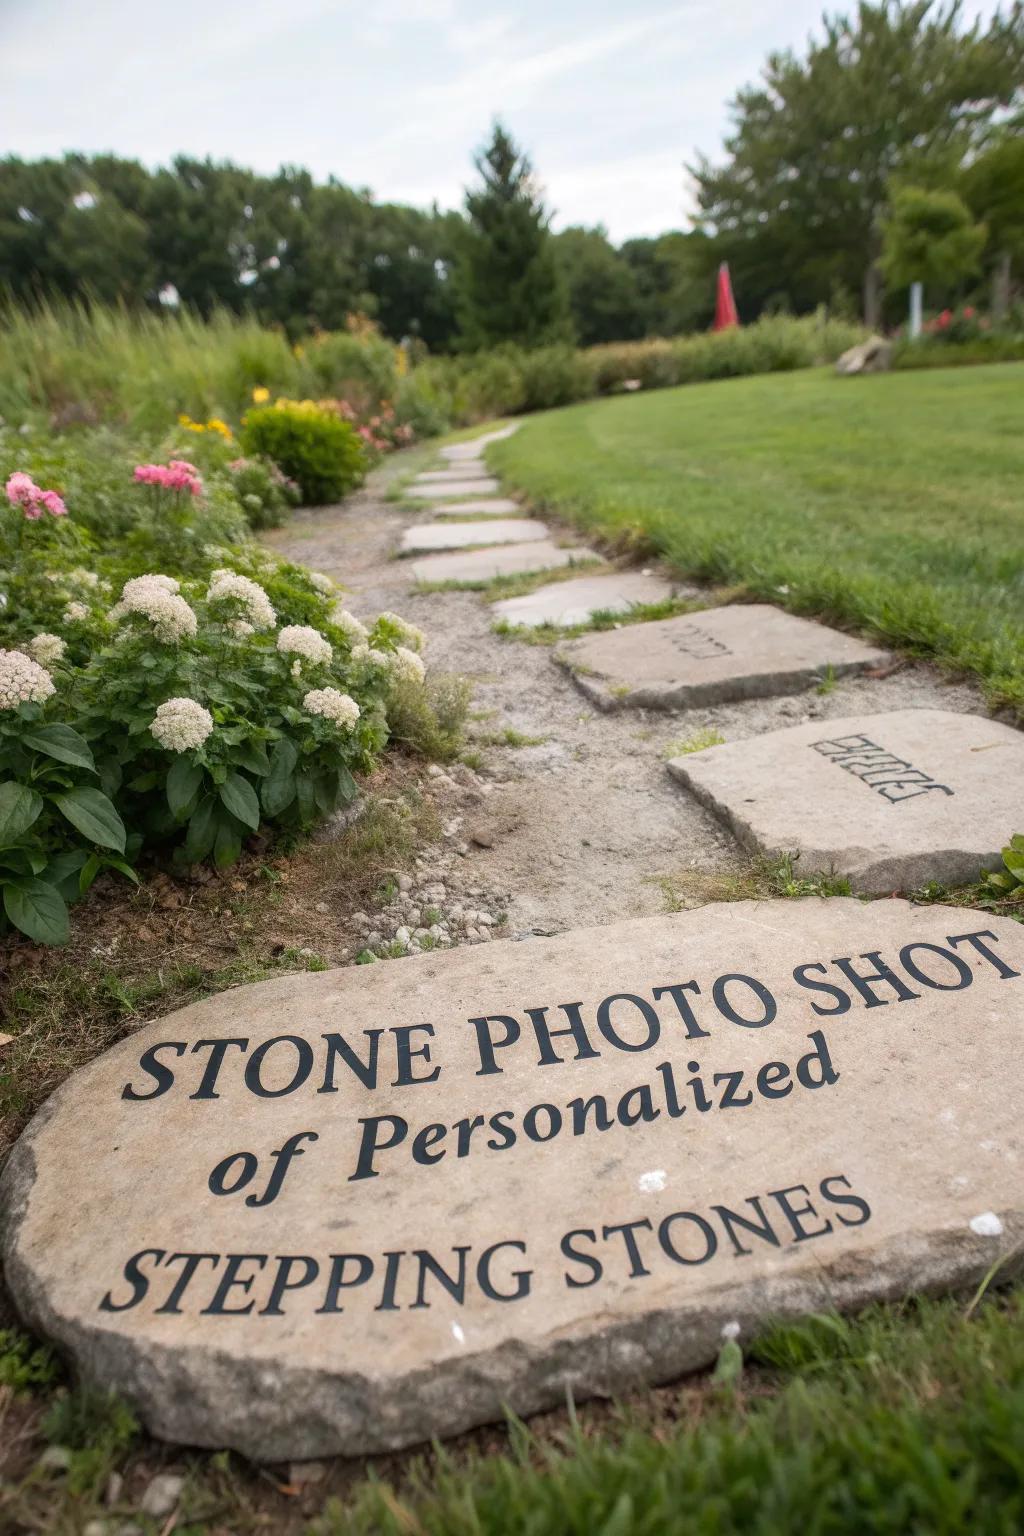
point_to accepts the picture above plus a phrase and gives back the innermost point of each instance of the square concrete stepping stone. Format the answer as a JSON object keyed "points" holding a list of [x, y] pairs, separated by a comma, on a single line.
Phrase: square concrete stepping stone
{"points": [[891, 801], [749, 651], [483, 506], [453, 475], [479, 566], [480, 486], [346, 1212], [496, 530], [572, 602], [455, 452]]}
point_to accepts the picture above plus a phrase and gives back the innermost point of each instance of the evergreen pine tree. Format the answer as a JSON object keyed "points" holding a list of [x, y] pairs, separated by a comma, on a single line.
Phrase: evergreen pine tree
{"points": [[511, 287]]}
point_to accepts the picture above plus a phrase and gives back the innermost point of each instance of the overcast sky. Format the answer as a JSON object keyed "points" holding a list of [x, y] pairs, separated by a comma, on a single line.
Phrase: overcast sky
{"points": [[395, 95]]}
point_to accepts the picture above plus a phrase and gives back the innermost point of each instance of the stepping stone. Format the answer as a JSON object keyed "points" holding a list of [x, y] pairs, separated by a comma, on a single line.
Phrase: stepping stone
{"points": [[479, 566], [573, 602], [475, 447], [497, 530], [713, 656], [892, 801], [453, 475], [301, 1218], [484, 506], [482, 486]]}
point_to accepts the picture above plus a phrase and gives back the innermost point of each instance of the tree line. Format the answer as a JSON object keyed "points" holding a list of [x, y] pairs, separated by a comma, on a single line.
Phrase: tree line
{"points": [[892, 151]]}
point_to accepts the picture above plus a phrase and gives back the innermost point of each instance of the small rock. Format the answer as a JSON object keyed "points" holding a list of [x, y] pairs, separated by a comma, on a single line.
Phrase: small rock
{"points": [[485, 919], [56, 1458], [374, 938], [115, 1488], [322, 906], [412, 916], [404, 884], [455, 914], [403, 935], [420, 933], [302, 1472], [162, 1495], [96, 1528], [435, 772]]}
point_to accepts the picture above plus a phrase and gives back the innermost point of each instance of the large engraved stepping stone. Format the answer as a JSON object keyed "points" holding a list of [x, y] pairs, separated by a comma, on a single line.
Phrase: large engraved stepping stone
{"points": [[711, 657], [574, 602], [483, 506], [480, 566], [432, 536], [349, 1211], [891, 800], [481, 486]]}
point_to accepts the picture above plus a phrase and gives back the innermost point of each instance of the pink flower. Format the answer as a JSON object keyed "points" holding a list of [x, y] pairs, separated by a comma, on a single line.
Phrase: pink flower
{"points": [[969, 312], [21, 489], [53, 503], [178, 475]]}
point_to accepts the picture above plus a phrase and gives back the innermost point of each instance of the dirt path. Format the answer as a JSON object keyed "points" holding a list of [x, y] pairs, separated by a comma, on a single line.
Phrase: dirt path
{"points": [[586, 826]]}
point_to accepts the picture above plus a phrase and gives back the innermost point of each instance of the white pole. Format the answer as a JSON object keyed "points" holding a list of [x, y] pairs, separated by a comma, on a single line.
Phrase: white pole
{"points": [[915, 311]]}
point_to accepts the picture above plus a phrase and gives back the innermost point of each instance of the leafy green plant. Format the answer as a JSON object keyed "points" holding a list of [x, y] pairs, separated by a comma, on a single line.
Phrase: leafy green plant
{"points": [[314, 447], [1008, 881], [58, 829], [24, 1364]]}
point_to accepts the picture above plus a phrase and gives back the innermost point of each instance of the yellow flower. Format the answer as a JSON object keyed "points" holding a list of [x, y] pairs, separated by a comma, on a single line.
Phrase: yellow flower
{"points": [[401, 362], [216, 425], [299, 350], [260, 395], [190, 425]]}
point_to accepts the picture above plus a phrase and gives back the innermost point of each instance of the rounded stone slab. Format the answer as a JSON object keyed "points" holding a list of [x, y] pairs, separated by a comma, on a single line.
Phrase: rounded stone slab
{"points": [[480, 566], [348, 1211], [891, 801], [714, 656], [482, 486], [574, 602], [434, 536], [484, 506]]}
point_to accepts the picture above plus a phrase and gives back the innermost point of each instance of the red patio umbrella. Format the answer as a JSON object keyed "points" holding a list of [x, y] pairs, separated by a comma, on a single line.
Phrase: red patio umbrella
{"points": [[725, 305]]}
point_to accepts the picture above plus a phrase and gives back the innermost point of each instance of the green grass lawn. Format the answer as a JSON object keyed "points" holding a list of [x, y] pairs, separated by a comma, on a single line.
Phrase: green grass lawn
{"points": [[892, 504]]}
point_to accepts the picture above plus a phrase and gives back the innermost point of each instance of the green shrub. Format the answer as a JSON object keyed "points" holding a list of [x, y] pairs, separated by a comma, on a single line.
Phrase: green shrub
{"points": [[358, 367], [554, 376], [265, 493], [313, 447]]}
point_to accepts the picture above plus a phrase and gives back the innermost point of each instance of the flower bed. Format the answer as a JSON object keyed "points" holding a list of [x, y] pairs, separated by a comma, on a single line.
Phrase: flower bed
{"points": [[148, 713]]}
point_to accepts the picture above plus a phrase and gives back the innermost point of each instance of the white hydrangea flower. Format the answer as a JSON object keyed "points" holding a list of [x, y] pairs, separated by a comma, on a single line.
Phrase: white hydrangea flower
{"points": [[414, 638], [22, 680], [74, 613], [334, 706], [371, 656], [241, 628], [258, 608], [46, 649], [80, 577], [349, 623], [307, 643], [156, 598], [181, 724], [406, 666], [322, 583]]}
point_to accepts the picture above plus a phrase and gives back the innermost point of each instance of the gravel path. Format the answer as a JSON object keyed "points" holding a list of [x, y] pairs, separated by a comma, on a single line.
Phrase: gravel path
{"points": [[584, 827]]}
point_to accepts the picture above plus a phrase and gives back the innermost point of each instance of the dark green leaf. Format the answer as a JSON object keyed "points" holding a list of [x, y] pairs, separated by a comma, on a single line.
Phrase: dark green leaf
{"points": [[61, 742], [37, 910], [307, 803], [239, 797], [94, 816], [144, 782], [19, 807], [347, 786], [184, 781], [113, 862], [202, 829], [325, 792], [228, 844], [90, 869], [253, 756]]}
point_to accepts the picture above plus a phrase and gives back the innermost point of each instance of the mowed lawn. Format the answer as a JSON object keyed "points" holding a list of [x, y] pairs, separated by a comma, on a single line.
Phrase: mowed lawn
{"points": [[892, 504]]}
